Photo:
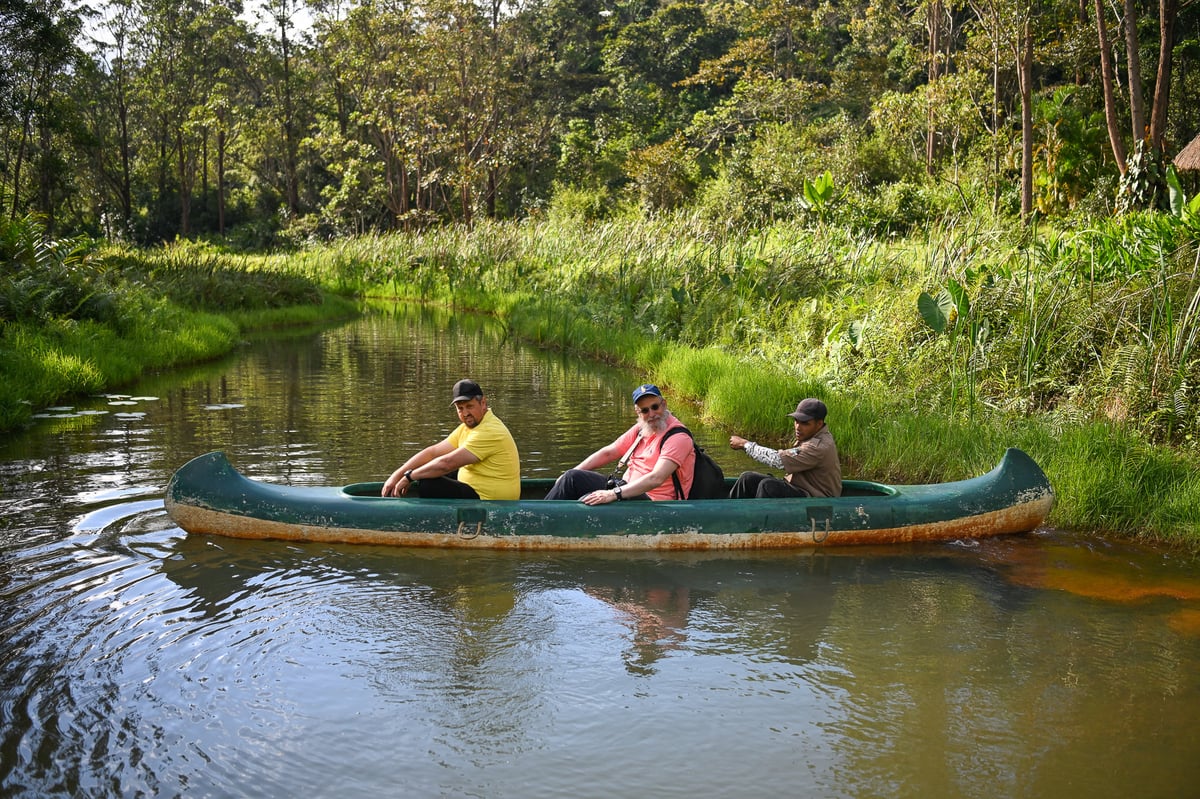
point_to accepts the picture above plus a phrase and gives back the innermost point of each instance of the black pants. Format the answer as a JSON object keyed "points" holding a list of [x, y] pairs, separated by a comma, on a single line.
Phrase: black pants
{"points": [[444, 487], [753, 485], [575, 483]]}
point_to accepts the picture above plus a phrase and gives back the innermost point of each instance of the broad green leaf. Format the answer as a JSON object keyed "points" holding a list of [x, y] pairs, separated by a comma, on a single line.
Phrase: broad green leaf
{"points": [[958, 296], [932, 312], [1177, 199]]}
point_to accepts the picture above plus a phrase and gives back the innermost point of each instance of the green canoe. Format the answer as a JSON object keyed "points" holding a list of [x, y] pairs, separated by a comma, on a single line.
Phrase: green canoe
{"points": [[208, 495]]}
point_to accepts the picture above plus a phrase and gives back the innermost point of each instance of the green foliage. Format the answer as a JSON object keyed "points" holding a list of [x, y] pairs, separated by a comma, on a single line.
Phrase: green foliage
{"points": [[75, 318], [1068, 155], [818, 195], [1187, 211], [893, 209], [665, 175], [581, 205], [383, 117], [1142, 185]]}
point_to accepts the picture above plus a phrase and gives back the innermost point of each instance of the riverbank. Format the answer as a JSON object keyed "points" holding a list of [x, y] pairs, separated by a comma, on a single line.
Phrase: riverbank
{"points": [[933, 354], [45, 365], [79, 318]]}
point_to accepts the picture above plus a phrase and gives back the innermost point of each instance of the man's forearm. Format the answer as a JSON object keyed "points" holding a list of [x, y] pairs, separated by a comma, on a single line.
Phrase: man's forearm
{"points": [[764, 455]]}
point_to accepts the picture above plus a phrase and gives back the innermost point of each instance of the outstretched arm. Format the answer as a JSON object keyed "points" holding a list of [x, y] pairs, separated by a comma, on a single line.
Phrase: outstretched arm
{"points": [[764, 455], [600, 457]]}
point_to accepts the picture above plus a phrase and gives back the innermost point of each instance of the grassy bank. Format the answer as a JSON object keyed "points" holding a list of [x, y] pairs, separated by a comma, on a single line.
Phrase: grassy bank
{"points": [[78, 318], [934, 352]]}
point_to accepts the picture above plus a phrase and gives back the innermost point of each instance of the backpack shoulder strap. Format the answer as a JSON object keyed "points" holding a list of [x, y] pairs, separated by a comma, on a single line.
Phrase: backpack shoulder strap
{"points": [[675, 474], [623, 464], [673, 431]]}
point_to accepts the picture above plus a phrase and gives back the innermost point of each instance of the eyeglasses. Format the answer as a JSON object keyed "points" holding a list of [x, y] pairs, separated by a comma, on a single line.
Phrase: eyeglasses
{"points": [[649, 408]]}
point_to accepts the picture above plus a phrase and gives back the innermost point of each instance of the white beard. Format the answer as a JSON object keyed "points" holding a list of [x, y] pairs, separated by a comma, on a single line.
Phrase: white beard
{"points": [[651, 429]]}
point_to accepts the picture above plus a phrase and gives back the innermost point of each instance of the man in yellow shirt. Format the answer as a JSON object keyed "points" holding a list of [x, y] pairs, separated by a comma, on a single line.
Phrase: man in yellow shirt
{"points": [[478, 460]]}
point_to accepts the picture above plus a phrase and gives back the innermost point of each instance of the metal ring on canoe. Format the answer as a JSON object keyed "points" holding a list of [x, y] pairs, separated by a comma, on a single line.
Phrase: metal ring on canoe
{"points": [[478, 530], [820, 540]]}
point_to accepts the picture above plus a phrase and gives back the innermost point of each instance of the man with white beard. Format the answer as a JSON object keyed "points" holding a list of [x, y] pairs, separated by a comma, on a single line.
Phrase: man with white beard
{"points": [[651, 461]]}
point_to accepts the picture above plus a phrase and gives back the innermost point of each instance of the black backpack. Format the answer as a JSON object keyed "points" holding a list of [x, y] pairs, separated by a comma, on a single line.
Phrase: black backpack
{"points": [[708, 481]]}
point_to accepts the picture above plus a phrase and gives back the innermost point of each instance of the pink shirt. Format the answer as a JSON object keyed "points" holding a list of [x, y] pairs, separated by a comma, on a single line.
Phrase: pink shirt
{"points": [[679, 449]]}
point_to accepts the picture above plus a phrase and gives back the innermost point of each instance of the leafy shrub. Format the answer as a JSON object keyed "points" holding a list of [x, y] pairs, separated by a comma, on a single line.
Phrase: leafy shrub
{"points": [[580, 204], [892, 209]]}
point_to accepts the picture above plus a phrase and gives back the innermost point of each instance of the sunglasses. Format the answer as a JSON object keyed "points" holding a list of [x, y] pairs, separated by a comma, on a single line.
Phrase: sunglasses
{"points": [[649, 408]]}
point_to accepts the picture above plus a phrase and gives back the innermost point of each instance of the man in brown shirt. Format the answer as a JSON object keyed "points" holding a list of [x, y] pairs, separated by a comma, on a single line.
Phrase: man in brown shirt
{"points": [[811, 467]]}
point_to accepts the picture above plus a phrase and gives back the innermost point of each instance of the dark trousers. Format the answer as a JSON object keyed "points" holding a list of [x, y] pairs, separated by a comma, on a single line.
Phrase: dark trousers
{"points": [[444, 487], [753, 485], [575, 483]]}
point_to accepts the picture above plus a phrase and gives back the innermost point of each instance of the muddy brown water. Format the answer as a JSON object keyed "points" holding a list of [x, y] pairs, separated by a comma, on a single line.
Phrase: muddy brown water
{"points": [[141, 661]]}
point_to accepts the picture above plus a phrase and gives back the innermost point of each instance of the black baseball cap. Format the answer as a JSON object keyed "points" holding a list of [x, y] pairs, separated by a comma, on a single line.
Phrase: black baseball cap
{"points": [[465, 390], [809, 409]]}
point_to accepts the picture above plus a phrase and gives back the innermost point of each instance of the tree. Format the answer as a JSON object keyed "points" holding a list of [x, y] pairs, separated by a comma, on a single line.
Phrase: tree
{"points": [[41, 36], [1107, 81], [282, 14], [1168, 11], [112, 87], [1133, 66]]}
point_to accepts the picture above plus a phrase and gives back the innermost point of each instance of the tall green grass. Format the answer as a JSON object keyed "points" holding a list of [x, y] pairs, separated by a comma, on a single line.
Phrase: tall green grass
{"points": [[1082, 347]]}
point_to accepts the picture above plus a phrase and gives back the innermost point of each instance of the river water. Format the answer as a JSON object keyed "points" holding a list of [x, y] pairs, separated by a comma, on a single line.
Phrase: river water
{"points": [[141, 661]]}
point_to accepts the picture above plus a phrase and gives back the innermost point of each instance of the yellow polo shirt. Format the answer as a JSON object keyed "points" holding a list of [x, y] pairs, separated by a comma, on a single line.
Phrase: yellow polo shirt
{"points": [[497, 475]]}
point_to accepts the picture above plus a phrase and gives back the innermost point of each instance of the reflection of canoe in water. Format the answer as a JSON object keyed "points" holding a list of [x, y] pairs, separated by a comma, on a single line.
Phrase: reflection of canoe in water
{"points": [[208, 495]]}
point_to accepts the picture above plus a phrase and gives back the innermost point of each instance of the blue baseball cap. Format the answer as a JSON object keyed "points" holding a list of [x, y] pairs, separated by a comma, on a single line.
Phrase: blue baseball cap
{"points": [[645, 390]]}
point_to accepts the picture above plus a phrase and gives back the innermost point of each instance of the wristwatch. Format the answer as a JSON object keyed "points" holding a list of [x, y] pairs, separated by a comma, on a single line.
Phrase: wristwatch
{"points": [[617, 491], [408, 476]]}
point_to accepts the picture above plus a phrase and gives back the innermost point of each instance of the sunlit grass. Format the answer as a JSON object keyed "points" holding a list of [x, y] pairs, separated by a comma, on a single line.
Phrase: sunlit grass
{"points": [[1081, 347], [40, 365], [747, 322]]}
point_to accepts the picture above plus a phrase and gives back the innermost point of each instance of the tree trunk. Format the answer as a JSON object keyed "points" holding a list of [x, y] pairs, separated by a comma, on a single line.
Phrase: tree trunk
{"points": [[1137, 106], [1107, 80], [290, 179], [185, 186], [26, 134], [1025, 78], [221, 183], [1168, 10], [45, 179], [934, 27], [126, 176]]}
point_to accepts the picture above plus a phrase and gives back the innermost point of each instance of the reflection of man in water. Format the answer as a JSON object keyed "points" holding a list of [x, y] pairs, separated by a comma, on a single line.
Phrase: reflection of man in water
{"points": [[659, 617]]}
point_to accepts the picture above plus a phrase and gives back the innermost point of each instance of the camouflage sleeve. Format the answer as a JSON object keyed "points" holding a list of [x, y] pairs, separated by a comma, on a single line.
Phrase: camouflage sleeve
{"points": [[764, 455]]}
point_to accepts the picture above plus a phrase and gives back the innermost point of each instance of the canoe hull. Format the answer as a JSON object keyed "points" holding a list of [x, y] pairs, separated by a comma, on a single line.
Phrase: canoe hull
{"points": [[208, 496]]}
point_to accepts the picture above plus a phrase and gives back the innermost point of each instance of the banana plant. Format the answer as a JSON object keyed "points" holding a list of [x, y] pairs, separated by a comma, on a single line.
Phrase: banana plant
{"points": [[818, 195], [1181, 207]]}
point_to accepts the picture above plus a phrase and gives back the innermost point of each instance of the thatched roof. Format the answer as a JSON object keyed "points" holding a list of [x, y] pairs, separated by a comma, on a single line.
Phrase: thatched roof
{"points": [[1188, 158]]}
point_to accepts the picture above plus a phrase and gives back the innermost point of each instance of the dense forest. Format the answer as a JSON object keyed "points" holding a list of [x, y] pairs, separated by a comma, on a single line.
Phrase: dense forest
{"points": [[152, 120]]}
